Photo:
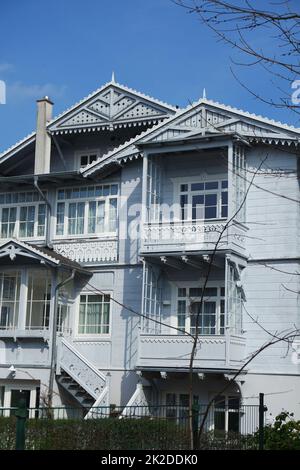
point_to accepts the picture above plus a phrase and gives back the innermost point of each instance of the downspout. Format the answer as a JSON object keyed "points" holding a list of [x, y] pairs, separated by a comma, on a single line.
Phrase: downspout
{"points": [[53, 339], [48, 242]]}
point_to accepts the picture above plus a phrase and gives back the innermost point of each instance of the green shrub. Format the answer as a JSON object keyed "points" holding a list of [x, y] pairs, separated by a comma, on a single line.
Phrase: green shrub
{"points": [[283, 434], [96, 434]]}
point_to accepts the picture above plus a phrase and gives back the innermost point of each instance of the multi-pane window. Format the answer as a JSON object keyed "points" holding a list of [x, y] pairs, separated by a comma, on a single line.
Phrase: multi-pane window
{"points": [[177, 405], [87, 158], [208, 314], [9, 299], [87, 210], [94, 314], [22, 215], [38, 300], [227, 413], [234, 301], [204, 200]]}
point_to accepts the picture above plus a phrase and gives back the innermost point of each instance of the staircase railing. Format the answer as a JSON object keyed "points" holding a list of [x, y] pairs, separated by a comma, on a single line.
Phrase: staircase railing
{"points": [[80, 369]]}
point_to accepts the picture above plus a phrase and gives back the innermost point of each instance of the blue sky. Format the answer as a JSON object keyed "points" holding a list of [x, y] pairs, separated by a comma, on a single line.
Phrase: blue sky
{"points": [[67, 48]]}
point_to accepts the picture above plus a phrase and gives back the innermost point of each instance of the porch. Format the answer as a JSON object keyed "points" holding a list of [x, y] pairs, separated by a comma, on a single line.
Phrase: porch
{"points": [[185, 295]]}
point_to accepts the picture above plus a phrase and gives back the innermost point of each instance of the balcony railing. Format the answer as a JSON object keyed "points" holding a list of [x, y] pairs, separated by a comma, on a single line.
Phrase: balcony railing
{"points": [[217, 352], [192, 235]]}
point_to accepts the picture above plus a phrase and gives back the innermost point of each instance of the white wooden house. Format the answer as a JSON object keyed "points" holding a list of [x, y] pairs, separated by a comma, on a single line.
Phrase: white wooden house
{"points": [[110, 216]]}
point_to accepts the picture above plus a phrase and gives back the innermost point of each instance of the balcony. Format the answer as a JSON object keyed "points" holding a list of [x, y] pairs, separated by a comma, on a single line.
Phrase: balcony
{"points": [[168, 237], [214, 352]]}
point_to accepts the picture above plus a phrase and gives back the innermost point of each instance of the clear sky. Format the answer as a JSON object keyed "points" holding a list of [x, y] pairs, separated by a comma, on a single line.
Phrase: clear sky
{"points": [[67, 48]]}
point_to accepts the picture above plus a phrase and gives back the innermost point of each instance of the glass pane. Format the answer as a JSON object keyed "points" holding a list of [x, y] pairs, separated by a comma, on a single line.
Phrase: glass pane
{"points": [[233, 421], [210, 212], [210, 199], [197, 186], [195, 291], [181, 292], [211, 185], [112, 215], [100, 216], [92, 217], [210, 292]]}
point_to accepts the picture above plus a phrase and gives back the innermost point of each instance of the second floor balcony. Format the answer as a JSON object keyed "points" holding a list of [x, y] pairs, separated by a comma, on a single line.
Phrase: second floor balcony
{"points": [[196, 235]]}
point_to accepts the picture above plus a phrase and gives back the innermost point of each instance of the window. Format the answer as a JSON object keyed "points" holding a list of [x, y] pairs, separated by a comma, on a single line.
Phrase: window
{"points": [[94, 314], [227, 414], [234, 301], [87, 210], [204, 200], [177, 406], [211, 312], [87, 158], [38, 300], [22, 215], [9, 299]]}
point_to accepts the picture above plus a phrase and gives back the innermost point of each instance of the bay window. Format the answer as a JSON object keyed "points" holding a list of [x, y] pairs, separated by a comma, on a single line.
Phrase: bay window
{"points": [[22, 215], [94, 314], [210, 312], [87, 210], [204, 200]]}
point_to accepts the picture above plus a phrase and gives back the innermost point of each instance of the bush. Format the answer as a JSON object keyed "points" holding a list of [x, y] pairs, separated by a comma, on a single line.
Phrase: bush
{"points": [[96, 434], [283, 434]]}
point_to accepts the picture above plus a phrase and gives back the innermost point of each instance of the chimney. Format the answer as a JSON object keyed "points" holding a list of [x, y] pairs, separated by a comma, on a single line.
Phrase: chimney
{"points": [[43, 140]]}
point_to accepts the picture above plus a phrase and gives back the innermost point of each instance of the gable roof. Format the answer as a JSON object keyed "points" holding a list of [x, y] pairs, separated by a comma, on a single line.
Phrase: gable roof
{"points": [[13, 248], [204, 115], [111, 106]]}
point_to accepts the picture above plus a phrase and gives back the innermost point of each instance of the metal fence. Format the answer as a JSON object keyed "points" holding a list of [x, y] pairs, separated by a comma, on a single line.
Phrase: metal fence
{"points": [[225, 427]]}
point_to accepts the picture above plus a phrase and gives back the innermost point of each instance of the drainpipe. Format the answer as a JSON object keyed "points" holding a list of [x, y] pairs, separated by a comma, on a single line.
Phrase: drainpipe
{"points": [[53, 340], [48, 242]]}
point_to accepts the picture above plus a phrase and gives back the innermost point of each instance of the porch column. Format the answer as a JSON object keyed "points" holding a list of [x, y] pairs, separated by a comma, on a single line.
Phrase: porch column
{"points": [[23, 299], [144, 194], [231, 189], [227, 324]]}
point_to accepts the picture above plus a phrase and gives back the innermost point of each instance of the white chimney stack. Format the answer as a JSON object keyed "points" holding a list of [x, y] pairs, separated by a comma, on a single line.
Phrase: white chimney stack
{"points": [[43, 140]]}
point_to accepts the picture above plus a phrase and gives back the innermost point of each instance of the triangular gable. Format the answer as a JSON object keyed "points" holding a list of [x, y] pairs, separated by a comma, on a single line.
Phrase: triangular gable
{"points": [[205, 115], [112, 106], [14, 248]]}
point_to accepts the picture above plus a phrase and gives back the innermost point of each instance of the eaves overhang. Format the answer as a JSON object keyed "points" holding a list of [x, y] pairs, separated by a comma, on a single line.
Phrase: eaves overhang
{"points": [[53, 178]]}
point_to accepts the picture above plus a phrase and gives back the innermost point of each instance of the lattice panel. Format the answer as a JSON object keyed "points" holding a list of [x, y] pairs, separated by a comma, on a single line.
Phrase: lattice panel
{"points": [[100, 107], [82, 117]]}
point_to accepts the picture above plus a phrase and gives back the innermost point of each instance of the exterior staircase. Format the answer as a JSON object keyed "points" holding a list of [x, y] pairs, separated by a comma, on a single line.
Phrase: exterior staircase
{"points": [[82, 380]]}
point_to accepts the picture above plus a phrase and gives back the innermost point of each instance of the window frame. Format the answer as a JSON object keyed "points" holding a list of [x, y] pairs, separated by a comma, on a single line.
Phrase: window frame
{"points": [[201, 179], [86, 201], [192, 285], [92, 336], [227, 396], [18, 206], [82, 153]]}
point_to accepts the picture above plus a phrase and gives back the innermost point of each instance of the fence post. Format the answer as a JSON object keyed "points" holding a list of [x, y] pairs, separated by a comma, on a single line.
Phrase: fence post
{"points": [[261, 423], [21, 415]]}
